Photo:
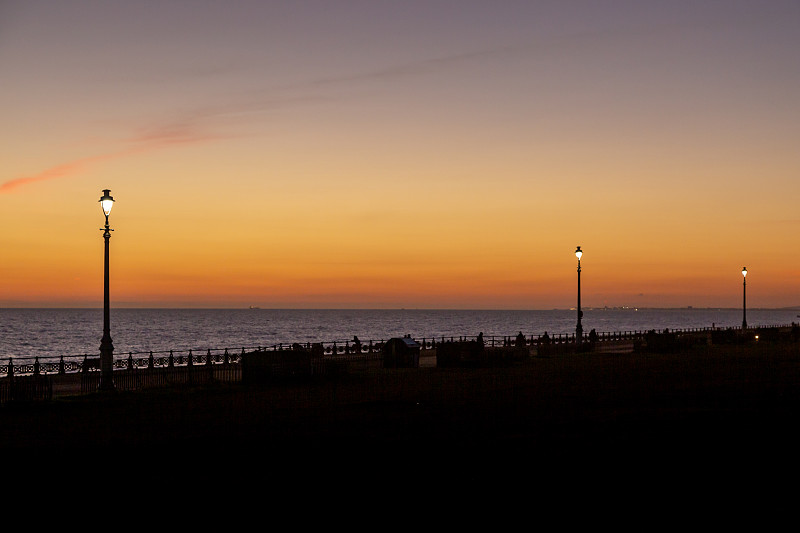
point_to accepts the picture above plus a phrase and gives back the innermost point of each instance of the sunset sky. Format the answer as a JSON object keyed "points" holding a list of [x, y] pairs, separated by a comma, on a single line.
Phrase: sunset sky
{"points": [[386, 154]]}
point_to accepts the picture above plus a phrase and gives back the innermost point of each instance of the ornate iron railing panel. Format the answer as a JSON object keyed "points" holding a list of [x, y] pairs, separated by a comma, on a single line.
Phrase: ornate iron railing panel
{"points": [[339, 350]]}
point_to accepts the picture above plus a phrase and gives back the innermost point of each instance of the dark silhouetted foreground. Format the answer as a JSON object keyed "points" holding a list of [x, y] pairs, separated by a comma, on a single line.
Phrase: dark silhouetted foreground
{"points": [[723, 408]]}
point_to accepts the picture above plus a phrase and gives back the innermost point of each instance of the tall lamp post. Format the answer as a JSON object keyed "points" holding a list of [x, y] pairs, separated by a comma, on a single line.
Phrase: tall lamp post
{"points": [[579, 328], [744, 297], [106, 346]]}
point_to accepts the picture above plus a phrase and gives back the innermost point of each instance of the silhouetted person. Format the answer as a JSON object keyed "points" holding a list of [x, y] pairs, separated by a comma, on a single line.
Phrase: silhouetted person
{"points": [[593, 336], [520, 339], [480, 338], [545, 338], [356, 344]]}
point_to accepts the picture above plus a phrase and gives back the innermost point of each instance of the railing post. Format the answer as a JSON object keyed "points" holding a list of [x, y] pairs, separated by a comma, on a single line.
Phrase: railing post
{"points": [[150, 360], [208, 357], [10, 367], [226, 357], [130, 360], [189, 368], [61, 369], [36, 366], [171, 360]]}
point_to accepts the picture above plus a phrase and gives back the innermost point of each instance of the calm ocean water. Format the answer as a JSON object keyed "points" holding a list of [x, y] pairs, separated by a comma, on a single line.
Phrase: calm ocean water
{"points": [[55, 332]]}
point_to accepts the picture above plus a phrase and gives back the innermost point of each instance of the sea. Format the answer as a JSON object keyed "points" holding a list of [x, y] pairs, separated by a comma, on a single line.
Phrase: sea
{"points": [[45, 333]]}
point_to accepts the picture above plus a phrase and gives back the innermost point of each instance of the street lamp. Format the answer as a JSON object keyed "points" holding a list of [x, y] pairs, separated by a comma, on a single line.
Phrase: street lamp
{"points": [[106, 346], [579, 328], [744, 297]]}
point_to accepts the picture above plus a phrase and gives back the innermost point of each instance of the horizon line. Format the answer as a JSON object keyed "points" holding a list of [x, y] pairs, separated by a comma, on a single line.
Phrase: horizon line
{"points": [[256, 308]]}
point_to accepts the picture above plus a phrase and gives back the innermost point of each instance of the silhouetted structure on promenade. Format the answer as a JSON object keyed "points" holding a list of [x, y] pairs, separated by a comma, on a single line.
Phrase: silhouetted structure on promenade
{"points": [[401, 352]]}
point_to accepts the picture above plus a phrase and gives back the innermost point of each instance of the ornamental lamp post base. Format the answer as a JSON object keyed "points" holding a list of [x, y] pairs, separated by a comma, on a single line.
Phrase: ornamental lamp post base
{"points": [[106, 366]]}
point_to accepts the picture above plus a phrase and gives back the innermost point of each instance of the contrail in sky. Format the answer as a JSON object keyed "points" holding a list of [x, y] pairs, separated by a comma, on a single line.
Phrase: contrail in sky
{"points": [[187, 130]]}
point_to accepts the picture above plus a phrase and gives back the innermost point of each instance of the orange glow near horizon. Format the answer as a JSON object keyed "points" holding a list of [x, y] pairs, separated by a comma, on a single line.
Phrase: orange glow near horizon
{"points": [[365, 168]]}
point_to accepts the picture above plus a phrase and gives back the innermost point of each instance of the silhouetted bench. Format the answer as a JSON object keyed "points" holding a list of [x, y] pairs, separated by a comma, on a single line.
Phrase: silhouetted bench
{"points": [[90, 363]]}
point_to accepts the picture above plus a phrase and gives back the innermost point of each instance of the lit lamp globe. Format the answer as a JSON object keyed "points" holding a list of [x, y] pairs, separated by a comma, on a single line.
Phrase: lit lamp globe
{"points": [[106, 202], [578, 253]]}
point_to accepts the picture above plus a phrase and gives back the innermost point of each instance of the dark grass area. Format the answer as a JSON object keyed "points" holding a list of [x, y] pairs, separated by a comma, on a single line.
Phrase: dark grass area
{"points": [[732, 410]]}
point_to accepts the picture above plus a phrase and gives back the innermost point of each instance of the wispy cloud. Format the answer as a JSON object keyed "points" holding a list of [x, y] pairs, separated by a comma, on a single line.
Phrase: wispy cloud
{"points": [[198, 125], [162, 136], [58, 171]]}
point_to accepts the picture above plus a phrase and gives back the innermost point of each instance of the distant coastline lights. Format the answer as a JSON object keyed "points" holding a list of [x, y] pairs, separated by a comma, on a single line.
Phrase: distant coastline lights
{"points": [[579, 326]]}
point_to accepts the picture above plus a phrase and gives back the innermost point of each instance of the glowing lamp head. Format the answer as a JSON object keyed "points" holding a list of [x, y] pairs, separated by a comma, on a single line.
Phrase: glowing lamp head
{"points": [[106, 201], [578, 253], [744, 271]]}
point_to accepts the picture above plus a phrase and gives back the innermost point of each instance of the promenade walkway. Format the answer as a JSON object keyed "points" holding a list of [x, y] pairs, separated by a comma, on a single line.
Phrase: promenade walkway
{"points": [[637, 409]]}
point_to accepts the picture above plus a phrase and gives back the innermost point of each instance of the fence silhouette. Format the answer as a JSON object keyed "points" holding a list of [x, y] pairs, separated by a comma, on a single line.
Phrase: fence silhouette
{"points": [[26, 389], [30, 378]]}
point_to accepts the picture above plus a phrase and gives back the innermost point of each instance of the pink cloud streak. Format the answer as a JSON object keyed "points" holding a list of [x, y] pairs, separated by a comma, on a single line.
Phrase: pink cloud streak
{"points": [[156, 138], [58, 171], [186, 130]]}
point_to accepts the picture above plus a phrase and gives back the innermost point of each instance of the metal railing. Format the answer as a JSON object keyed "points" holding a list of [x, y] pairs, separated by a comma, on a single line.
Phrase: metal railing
{"points": [[149, 377], [29, 379], [26, 389], [341, 350]]}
